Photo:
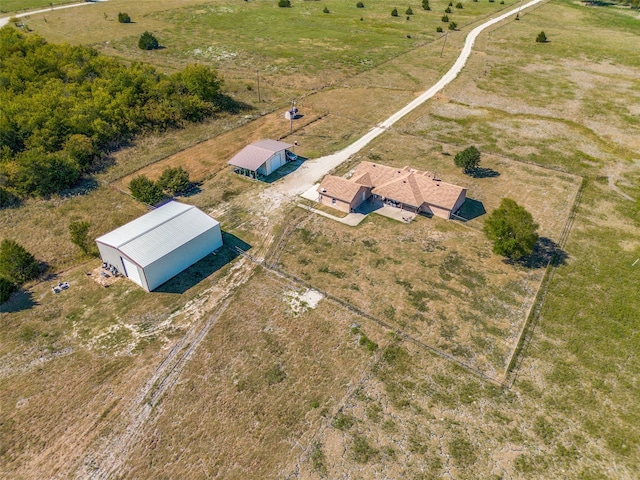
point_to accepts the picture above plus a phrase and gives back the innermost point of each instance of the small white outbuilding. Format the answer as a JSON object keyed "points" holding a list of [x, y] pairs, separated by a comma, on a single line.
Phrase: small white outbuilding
{"points": [[157, 246], [261, 158]]}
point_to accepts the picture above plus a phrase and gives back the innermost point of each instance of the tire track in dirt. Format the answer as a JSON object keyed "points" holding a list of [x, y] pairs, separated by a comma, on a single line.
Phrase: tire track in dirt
{"points": [[107, 457]]}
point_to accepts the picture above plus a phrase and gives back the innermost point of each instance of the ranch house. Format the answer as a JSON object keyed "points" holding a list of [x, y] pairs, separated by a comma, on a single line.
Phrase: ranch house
{"points": [[405, 188]]}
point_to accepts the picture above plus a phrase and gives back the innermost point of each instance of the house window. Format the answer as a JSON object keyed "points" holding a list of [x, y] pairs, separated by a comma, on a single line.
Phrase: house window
{"points": [[333, 201]]}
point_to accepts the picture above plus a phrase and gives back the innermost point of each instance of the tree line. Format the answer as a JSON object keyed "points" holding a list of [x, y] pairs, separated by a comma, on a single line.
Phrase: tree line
{"points": [[63, 107]]}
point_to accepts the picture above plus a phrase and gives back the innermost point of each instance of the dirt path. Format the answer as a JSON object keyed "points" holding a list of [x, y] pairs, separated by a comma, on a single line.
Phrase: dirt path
{"points": [[5, 20], [108, 455], [313, 170], [106, 458]]}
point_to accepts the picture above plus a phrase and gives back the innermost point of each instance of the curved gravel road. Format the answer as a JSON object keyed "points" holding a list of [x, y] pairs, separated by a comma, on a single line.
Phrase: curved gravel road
{"points": [[5, 20], [312, 171]]}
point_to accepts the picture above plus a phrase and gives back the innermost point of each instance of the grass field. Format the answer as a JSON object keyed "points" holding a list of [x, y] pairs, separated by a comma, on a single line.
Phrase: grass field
{"points": [[20, 5], [433, 279], [328, 393]]}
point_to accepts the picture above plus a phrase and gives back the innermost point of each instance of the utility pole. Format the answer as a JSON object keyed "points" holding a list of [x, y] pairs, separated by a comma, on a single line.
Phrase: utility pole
{"points": [[291, 115], [258, 73], [444, 43]]}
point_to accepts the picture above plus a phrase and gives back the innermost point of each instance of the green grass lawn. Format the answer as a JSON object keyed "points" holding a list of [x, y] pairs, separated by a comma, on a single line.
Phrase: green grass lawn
{"points": [[20, 5]]}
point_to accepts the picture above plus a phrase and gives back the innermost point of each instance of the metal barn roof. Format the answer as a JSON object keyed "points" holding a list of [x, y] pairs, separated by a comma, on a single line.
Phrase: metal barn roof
{"points": [[155, 234], [253, 156]]}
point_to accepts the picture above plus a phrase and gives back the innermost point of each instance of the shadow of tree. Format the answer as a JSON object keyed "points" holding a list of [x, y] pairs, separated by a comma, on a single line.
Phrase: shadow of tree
{"points": [[545, 252], [20, 300], [482, 172], [205, 267], [231, 105]]}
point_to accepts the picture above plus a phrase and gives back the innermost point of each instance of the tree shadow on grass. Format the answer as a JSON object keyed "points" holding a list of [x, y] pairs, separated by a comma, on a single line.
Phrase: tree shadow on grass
{"points": [[471, 209], [194, 189], [205, 267], [545, 252], [20, 300], [482, 172], [231, 105]]}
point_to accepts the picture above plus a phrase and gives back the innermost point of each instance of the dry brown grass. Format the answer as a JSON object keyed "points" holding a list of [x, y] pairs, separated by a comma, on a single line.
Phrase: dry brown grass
{"points": [[70, 362], [42, 226], [433, 279], [241, 418]]}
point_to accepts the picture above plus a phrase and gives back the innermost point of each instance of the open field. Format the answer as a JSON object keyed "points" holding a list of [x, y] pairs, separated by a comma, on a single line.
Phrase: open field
{"points": [[20, 5], [295, 49], [437, 280], [272, 394]]}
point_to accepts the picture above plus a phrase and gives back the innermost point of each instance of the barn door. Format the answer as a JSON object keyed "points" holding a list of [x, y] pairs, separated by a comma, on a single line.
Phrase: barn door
{"points": [[131, 271]]}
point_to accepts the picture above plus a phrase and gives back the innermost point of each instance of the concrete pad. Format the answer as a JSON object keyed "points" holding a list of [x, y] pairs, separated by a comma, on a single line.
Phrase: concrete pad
{"points": [[312, 193], [395, 214]]}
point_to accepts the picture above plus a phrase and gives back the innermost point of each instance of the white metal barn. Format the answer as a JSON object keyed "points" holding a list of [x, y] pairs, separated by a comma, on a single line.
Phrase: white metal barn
{"points": [[260, 158], [157, 246]]}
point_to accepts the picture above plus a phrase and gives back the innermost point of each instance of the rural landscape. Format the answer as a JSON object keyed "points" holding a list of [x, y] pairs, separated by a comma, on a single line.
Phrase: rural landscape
{"points": [[372, 342]]}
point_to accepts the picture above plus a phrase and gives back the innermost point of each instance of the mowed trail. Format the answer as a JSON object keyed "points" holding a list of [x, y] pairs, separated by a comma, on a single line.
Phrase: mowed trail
{"points": [[312, 171]]}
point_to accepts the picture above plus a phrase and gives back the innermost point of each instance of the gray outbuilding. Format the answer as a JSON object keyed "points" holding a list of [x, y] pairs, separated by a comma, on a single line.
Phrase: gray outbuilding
{"points": [[157, 246]]}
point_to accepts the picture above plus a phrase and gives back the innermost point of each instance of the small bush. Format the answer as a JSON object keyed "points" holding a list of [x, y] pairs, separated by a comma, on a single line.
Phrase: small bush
{"points": [[445, 18], [359, 5], [541, 38], [79, 232], [453, 26], [124, 17], [174, 181], [459, 5], [145, 190], [448, 10], [439, 29], [16, 264], [369, 344], [284, 3], [362, 451], [275, 375], [451, 4], [425, 5], [409, 11], [343, 422], [394, 12], [318, 460], [148, 42], [325, 10]]}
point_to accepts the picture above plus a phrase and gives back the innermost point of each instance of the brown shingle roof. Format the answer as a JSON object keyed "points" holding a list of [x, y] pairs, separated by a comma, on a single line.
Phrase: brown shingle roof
{"points": [[409, 186], [339, 188]]}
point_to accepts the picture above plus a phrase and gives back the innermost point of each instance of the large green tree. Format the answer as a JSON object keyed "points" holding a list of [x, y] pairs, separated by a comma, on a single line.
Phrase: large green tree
{"points": [[468, 159], [71, 105], [16, 263], [511, 229]]}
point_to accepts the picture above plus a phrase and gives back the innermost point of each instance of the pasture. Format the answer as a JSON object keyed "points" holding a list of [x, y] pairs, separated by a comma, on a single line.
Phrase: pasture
{"points": [[259, 390]]}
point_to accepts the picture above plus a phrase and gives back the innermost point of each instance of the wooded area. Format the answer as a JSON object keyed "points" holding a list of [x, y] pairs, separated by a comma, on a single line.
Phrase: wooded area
{"points": [[63, 107]]}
